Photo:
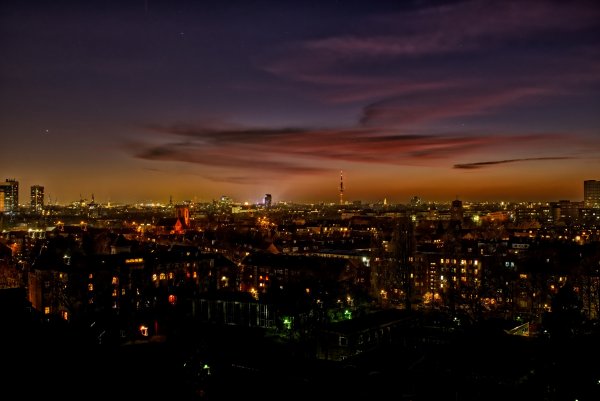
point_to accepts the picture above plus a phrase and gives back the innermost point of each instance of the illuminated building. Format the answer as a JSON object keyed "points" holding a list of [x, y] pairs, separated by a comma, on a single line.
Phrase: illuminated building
{"points": [[268, 200], [11, 195], [183, 214], [591, 193], [37, 198]]}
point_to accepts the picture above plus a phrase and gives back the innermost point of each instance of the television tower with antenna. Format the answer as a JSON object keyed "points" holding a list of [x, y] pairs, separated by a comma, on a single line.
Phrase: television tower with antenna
{"points": [[341, 187]]}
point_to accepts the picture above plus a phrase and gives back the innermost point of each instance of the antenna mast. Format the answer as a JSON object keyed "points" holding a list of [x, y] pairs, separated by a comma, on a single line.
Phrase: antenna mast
{"points": [[341, 187]]}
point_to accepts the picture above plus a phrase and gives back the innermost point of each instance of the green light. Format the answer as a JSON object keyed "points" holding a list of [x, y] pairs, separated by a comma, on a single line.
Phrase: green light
{"points": [[287, 323], [348, 314]]}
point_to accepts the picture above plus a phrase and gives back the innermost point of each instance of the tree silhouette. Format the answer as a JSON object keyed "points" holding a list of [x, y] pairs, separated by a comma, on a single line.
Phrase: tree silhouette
{"points": [[566, 315]]}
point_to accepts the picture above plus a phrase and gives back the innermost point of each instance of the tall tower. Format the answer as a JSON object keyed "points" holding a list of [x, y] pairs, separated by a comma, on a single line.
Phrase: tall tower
{"points": [[341, 187], [11, 195], [37, 198], [591, 193]]}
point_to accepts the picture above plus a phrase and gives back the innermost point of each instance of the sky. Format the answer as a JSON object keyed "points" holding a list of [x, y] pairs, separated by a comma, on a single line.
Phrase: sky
{"points": [[140, 101]]}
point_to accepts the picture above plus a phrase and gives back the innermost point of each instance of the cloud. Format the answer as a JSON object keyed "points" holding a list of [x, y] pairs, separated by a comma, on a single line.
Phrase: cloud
{"points": [[272, 153], [428, 107], [501, 46], [459, 27], [478, 165]]}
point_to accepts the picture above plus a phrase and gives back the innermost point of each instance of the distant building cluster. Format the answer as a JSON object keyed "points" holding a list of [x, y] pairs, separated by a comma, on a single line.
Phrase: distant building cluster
{"points": [[297, 268]]}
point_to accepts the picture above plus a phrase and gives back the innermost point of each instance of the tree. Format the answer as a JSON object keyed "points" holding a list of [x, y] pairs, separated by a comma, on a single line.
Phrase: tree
{"points": [[566, 315]]}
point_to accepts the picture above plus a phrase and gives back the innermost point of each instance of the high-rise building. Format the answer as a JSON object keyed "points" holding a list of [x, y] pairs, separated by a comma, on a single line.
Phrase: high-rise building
{"points": [[37, 198], [268, 200], [10, 188], [591, 193]]}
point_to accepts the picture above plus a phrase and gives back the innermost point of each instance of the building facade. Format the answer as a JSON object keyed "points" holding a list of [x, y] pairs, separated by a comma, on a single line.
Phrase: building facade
{"points": [[37, 198], [591, 193], [10, 190]]}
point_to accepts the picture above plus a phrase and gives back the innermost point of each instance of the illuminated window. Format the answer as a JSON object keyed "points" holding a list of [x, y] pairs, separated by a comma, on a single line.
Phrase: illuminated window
{"points": [[122, 291], [170, 275], [91, 276], [65, 315], [163, 276], [47, 310], [90, 287], [195, 275], [115, 280], [154, 277], [114, 293]]}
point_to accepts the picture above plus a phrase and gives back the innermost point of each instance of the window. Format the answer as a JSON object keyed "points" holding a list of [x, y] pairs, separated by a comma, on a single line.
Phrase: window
{"points": [[47, 310], [343, 341], [90, 287]]}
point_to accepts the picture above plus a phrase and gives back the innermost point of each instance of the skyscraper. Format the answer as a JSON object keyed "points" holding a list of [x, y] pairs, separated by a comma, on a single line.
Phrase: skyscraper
{"points": [[268, 200], [591, 193], [37, 198], [11, 195]]}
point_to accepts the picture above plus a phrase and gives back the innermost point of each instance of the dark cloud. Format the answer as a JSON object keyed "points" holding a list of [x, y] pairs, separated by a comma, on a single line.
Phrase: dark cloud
{"points": [[431, 107], [300, 151], [472, 166], [460, 27]]}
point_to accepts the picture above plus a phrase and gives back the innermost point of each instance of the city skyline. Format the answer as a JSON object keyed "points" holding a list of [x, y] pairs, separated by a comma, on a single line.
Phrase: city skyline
{"points": [[38, 201], [140, 102]]}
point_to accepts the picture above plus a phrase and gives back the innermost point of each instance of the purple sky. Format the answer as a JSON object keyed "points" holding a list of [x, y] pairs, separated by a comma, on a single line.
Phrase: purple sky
{"points": [[140, 100]]}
